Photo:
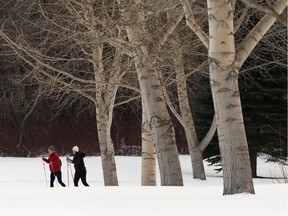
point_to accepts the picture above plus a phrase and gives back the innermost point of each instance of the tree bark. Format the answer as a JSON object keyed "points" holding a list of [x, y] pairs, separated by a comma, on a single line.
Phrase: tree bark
{"points": [[160, 122], [106, 149], [152, 95], [187, 118], [104, 120], [149, 160], [235, 160]]}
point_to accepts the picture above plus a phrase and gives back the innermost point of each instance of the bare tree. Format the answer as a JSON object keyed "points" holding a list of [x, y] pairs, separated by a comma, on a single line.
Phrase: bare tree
{"points": [[150, 85], [225, 62], [72, 60], [82, 26], [184, 115]]}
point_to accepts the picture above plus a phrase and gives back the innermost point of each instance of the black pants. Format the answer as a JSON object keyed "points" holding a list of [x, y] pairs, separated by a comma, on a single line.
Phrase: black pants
{"points": [[80, 174], [59, 178]]}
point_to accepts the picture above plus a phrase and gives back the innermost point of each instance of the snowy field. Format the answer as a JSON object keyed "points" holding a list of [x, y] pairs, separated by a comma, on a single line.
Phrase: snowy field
{"points": [[23, 191]]}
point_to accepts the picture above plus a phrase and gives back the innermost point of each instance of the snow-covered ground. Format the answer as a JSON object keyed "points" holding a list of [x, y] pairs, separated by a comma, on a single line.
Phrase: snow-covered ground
{"points": [[23, 191]]}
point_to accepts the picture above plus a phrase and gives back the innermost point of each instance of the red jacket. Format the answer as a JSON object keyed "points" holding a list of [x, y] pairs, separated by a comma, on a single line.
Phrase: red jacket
{"points": [[54, 162]]}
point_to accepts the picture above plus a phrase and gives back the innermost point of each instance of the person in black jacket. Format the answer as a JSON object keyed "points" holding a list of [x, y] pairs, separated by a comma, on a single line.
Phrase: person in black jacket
{"points": [[80, 169]]}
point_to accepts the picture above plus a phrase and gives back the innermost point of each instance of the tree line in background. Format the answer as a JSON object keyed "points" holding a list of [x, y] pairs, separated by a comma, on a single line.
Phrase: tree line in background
{"points": [[114, 75]]}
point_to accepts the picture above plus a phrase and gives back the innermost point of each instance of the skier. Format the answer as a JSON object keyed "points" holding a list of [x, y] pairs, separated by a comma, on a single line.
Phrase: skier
{"points": [[80, 169], [55, 166]]}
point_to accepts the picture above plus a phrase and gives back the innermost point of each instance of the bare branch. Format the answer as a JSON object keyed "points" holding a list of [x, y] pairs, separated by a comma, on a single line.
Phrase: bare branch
{"points": [[25, 118], [28, 52], [207, 139], [266, 10], [127, 101], [240, 20], [190, 20], [256, 34], [166, 32]]}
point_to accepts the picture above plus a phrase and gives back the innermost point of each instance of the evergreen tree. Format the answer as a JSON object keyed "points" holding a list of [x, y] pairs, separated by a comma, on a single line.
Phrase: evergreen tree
{"points": [[264, 99], [265, 114]]}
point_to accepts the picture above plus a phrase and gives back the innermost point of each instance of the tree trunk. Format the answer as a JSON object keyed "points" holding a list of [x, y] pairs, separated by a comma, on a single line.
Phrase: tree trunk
{"points": [[107, 150], [237, 174], [148, 171], [104, 97], [152, 95], [160, 122], [186, 115]]}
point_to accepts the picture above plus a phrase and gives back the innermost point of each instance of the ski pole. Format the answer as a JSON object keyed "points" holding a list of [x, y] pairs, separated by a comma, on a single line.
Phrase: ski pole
{"points": [[69, 165], [45, 174], [68, 173], [71, 173]]}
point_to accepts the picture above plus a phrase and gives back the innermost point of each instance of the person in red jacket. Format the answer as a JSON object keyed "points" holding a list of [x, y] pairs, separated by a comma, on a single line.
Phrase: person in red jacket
{"points": [[55, 166]]}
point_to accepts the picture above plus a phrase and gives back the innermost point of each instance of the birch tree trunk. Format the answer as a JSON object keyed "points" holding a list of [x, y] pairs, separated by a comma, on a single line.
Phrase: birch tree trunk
{"points": [[104, 98], [235, 160], [151, 91], [187, 118], [106, 148], [160, 122], [224, 69], [85, 13], [149, 161]]}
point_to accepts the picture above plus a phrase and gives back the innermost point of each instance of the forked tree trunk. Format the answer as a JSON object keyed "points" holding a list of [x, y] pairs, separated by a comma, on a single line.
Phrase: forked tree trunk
{"points": [[152, 95], [160, 122], [224, 68], [149, 160], [235, 160], [187, 118]]}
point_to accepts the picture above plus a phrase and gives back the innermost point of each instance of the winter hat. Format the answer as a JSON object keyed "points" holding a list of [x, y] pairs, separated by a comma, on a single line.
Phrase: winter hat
{"points": [[51, 148], [75, 148]]}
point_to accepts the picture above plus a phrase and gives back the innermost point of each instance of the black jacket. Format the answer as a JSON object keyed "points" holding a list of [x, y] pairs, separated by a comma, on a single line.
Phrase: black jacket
{"points": [[78, 161]]}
